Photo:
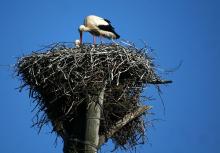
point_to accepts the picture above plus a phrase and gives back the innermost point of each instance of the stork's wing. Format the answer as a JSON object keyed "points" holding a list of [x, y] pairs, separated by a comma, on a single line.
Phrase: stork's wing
{"points": [[106, 25], [109, 28], [109, 22]]}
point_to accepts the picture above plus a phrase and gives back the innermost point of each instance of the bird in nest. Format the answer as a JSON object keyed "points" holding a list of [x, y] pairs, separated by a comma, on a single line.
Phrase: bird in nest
{"points": [[97, 26]]}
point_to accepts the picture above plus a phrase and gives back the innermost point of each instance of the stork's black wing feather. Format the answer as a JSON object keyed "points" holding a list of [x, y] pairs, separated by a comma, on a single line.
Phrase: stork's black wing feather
{"points": [[106, 28], [109, 28], [109, 22]]}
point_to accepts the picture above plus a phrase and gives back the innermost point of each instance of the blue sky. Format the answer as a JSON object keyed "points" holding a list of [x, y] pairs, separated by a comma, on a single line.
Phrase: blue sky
{"points": [[178, 30]]}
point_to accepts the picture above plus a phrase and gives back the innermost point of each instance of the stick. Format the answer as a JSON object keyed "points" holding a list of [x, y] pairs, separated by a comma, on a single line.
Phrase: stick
{"points": [[127, 118], [160, 82]]}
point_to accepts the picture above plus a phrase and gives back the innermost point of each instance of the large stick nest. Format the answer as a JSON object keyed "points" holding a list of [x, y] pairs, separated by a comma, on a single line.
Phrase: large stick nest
{"points": [[60, 78]]}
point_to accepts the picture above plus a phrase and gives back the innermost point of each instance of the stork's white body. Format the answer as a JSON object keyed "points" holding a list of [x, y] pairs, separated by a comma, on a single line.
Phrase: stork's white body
{"points": [[98, 26]]}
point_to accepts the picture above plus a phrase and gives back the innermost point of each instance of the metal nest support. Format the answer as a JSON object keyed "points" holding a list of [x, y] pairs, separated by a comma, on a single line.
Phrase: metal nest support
{"points": [[61, 79]]}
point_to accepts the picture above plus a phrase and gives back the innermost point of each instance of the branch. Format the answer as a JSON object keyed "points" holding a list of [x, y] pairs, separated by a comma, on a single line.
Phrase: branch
{"points": [[127, 118], [160, 82]]}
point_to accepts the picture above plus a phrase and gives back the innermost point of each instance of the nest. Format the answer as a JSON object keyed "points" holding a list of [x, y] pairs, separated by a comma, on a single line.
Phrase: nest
{"points": [[61, 77]]}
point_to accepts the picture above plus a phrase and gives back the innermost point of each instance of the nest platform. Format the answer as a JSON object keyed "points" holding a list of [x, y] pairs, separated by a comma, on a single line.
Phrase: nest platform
{"points": [[59, 79]]}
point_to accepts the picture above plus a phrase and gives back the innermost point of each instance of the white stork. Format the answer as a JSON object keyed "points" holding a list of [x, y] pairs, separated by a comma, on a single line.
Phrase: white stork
{"points": [[97, 26]]}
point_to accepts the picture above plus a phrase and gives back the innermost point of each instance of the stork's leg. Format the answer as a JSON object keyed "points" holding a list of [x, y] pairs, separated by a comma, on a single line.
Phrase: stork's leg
{"points": [[94, 40]]}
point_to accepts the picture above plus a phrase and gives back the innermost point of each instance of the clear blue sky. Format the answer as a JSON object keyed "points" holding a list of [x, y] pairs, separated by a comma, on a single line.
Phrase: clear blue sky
{"points": [[187, 30]]}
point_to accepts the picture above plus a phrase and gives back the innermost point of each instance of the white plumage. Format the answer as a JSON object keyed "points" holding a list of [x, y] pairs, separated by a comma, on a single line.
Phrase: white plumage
{"points": [[97, 26], [77, 43]]}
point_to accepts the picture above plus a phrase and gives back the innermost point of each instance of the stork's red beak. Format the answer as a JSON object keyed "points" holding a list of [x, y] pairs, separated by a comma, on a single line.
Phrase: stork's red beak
{"points": [[80, 37]]}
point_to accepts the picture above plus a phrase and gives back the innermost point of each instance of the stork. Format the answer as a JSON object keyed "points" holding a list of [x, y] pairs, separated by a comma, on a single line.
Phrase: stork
{"points": [[97, 26]]}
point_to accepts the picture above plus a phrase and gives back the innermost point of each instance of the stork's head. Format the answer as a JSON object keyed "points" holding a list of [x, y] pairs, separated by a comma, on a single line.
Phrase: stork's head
{"points": [[82, 28]]}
